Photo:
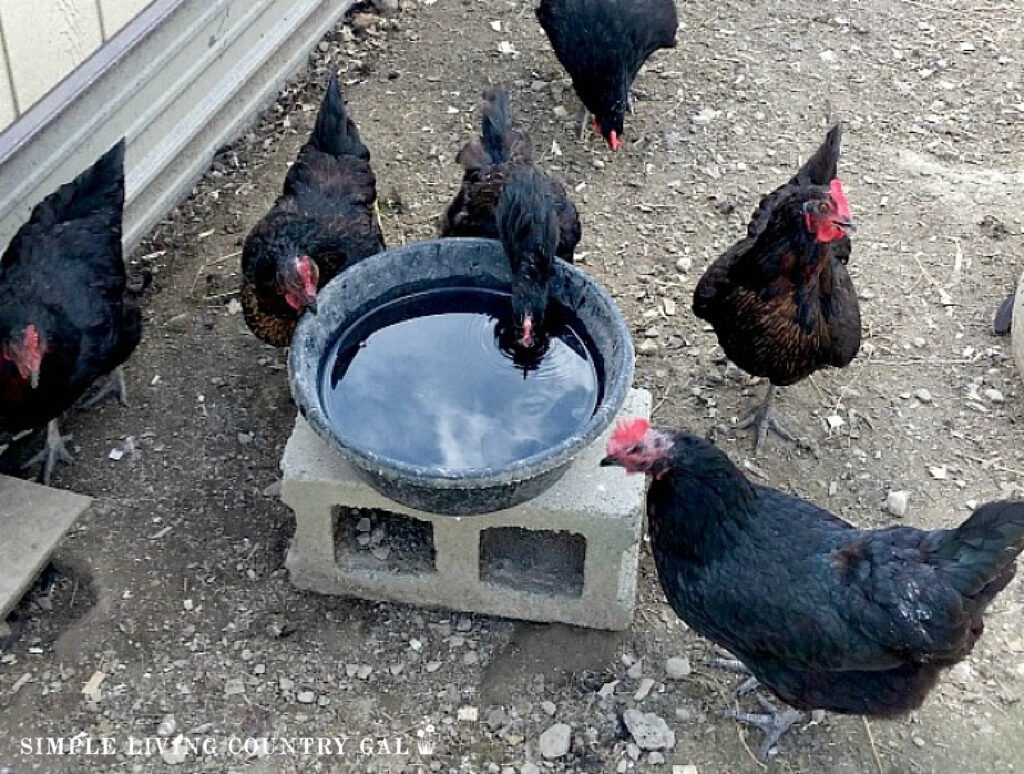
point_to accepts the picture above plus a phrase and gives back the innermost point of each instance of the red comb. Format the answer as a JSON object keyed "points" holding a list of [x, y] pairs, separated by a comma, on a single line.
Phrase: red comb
{"points": [[31, 338], [630, 431], [835, 189]]}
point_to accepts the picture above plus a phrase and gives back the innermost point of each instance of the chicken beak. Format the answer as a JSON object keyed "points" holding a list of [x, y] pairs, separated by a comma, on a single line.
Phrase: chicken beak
{"points": [[610, 462], [33, 379], [311, 307], [846, 225]]}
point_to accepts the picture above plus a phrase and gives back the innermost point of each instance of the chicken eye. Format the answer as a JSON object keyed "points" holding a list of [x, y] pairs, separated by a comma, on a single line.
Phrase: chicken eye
{"points": [[822, 208]]}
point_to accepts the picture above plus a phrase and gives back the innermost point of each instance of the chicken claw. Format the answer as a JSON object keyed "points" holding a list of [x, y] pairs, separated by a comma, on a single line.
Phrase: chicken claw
{"points": [[113, 385], [54, 451], [735, 665], [773, 723], [765, 419]]}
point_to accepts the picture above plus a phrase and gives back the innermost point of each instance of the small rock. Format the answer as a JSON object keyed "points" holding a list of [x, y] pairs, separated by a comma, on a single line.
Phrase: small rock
{"points": [[305, 697], [938, 472], [994, 395], [548, 707], [918, 741], [644, 689], [234, 687], [364, 671], [363, 525], [285, 684], [598, 164], [167, 726], [636, 671], [470, 658], [649, 731], [962, 673], [554, 743], [468, 714], [684, 264], [655, 758], [529, 768], [174, 753], [677, 668], [688, 768], [648, 347], [923, 395], [363, 21], [896, 503], [433, 666]]}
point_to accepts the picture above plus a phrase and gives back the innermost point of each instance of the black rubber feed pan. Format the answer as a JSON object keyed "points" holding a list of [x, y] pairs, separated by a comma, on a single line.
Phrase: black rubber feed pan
{"points": [[463, 264]]}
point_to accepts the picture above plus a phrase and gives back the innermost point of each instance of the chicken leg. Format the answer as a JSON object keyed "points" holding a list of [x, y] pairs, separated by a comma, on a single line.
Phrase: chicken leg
{"points": [[764, 419], [584, 118], [54, 451], [113, 385], [774, 723]]}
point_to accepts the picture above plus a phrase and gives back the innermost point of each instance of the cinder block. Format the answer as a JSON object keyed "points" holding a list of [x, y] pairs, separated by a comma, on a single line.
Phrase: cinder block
{"points": [[33, 520], [569, 555]]}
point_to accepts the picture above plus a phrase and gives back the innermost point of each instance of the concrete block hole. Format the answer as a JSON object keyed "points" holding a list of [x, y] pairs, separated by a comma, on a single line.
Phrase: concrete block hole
{"points": [[536, 561], [377, 541]]}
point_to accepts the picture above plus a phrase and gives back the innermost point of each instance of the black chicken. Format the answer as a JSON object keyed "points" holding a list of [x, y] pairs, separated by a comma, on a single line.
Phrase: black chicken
{"points": [[527, 225], [66, 319], [826, 615], [781, 301], [602, 44], [324, 221], [488, 161]]}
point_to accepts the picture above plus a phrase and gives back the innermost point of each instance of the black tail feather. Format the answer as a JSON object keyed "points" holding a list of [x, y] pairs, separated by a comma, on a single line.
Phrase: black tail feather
{"points": [[495, 124], [100, 188], [335, 133], [823, 166], [980, 553], [1004, 316]]}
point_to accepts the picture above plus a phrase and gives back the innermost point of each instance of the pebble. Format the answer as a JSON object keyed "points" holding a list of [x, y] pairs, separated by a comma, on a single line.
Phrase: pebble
{"points": [[554, 743], [167, 726], [897, 502], [363, 525], [433, 666], [649, 731], [529, 768], [548, 707], [677, 668], [656, 759], [468, 714], [234, 687], [174, 753], [688, 768], [285, 684], [305, 697], [644, 689], [648, 347], [684, 264], [636, 671], [923, 395], [918, 741], [994, 395]]}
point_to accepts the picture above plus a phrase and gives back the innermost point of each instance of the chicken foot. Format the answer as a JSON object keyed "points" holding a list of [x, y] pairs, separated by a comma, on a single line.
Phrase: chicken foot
{"points": [[114, 385], [765, 419], [735, 665], [54, 451], [773, 723]]}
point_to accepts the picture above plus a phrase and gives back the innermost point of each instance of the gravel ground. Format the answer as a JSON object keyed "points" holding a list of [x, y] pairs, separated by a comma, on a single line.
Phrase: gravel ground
{"points": [[173, 590]]}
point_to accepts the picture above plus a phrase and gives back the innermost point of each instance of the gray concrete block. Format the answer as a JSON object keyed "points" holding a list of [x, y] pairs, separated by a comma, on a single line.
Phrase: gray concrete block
{"points": [[33, 519], [569, 555]]}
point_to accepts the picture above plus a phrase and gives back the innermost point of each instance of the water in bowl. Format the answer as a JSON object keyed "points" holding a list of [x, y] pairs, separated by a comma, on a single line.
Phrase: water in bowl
{"points": [[430, 380]]}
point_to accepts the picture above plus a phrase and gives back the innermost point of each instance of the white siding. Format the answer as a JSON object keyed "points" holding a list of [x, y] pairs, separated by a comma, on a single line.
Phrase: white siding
{"points": [[8, 112], [46, 40], [117, 13]]}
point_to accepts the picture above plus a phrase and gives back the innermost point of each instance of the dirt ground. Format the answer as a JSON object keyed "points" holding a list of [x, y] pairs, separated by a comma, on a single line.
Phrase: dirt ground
{"points": [[174, 585]]}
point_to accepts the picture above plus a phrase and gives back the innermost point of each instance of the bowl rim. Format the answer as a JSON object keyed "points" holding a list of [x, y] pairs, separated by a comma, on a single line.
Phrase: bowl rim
{"points": [[431, 477]]}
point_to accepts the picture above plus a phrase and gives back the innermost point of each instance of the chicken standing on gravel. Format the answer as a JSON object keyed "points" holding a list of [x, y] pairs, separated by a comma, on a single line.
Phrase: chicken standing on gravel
{"points": [[826, 615], [781, 301], [66, 318], [487, 162], [602, 44], [324, 221]]}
